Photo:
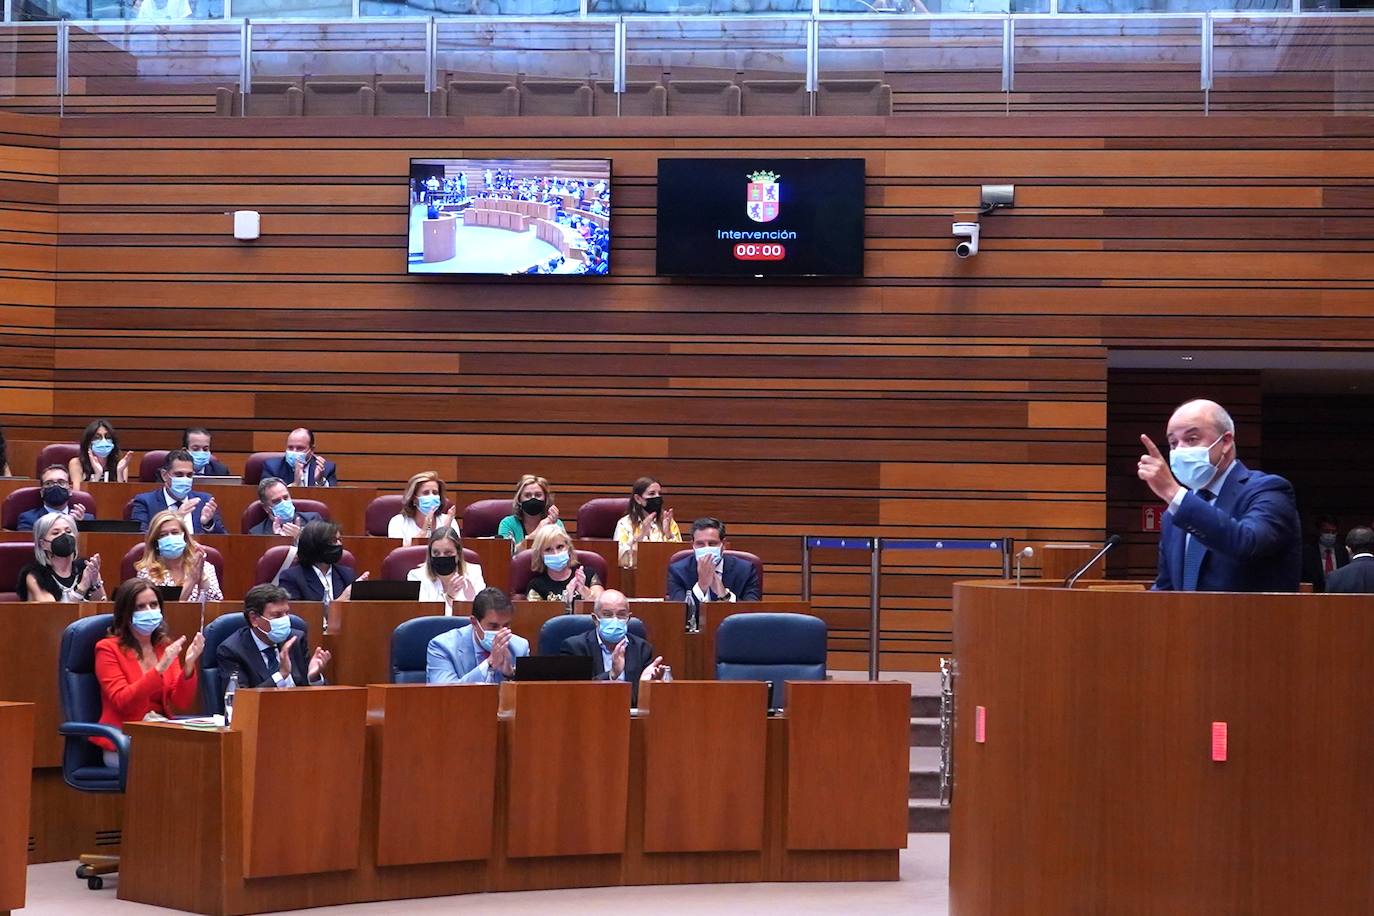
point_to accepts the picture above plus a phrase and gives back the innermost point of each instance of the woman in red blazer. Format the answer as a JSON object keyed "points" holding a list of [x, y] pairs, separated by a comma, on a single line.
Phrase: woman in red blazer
{"points": [[138, 664]]}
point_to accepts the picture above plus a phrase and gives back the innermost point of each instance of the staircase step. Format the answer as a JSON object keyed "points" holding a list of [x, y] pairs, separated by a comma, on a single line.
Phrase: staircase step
{"points": [[925, 706], [925, 731], [924, 776], [927, 816]]}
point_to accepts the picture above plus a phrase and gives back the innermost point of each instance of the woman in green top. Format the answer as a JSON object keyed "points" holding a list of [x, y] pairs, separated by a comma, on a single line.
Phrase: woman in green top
{"points": [[533, 509]]}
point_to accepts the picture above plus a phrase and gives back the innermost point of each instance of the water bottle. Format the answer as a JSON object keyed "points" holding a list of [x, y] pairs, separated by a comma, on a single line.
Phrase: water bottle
{"points": [[229, 698], [666, 672]]}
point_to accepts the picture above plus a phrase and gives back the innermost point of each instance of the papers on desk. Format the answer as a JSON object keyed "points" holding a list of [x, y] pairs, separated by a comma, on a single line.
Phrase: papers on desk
{"points": [[202, 722]]}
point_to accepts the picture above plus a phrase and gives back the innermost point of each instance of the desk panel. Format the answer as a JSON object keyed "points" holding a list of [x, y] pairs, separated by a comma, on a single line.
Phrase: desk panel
{"points": [[16, 769]]}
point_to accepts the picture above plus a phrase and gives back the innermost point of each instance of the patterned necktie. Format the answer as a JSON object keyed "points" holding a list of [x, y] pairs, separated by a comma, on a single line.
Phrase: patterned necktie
{"points": [[1193, 553], [270, 656]]}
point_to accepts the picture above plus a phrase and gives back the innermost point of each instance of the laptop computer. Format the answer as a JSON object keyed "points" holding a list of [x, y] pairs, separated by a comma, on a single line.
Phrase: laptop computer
{"points": [[386, 590], [554, 668], [108, 525], [214, 480], [167, 593]]}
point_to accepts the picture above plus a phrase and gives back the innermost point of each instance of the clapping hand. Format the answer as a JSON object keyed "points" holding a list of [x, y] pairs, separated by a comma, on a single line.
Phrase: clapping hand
{"points": [[317, 663], [298, 478], [706, 572], [665, 523], [91, 576], [77, 510], [187, 507], [284, 658], [579, 582], [290, 530], [319, 468], [193, 652], [97, 464], [618, 659], [1154, 470], [207, 514], [122, 469], [170, 654], [347, 593], [501, 658], [651, 671]]}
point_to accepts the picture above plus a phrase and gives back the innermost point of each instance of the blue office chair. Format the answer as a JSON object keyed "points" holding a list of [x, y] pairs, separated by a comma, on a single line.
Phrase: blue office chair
{"points": [[557, 630], [83, 764], [773, 648], [410, 642], [216, 632]]}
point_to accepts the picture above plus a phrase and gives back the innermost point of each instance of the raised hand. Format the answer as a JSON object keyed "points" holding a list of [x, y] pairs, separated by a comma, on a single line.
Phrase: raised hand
{"points": [[579, 582], [193, 652], [284, 657], [618, 658], [347, 594], [189, 506], [97, 464], [207, 514], [170, 654], [666, 523], [651, 671], [706, 572], [1153, 468], [319, 469], [317, 663], [501, 658], [122, 469], [298, 478], [77, 510], [552, 514], [290, 530]]}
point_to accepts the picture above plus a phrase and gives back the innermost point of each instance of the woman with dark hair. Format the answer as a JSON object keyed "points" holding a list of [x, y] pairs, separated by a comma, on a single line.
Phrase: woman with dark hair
{"points": [[100, 460], [647, 520], [138, 665], [319, 576], [4, 457]]}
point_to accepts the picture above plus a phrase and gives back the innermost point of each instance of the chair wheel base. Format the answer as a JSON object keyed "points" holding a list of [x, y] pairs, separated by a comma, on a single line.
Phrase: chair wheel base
{"points": [[95, 883]]}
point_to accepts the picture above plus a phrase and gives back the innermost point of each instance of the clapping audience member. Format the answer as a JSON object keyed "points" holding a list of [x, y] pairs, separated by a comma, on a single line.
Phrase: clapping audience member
{"points": [[710, 575], [55, 492], [57, 573], [532, 509], [4, 457], [270, 652], [100, 460], [484, 651], [196, 440], [647, 520], [558, 576], [139, 666], [616, 653], [421, 508], [445, 576], [178, 495], [319, 575], [299, 466], [282, 518], [171, 556]]}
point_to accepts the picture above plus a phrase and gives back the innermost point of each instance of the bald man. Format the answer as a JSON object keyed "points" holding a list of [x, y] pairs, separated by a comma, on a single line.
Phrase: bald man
{"points": [[299, 466], [1226, 528]]}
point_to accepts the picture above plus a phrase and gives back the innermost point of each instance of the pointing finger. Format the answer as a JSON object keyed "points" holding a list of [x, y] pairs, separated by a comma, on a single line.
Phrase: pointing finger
{"points": [[1150, 447]]}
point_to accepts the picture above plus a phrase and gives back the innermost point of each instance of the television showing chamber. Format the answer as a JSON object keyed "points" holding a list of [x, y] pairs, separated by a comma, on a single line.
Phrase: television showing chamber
{"points": [[510, 216], [761, 217]]}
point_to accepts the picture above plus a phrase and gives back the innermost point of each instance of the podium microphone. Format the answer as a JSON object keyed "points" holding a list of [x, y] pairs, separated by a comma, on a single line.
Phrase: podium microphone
{"points": [[1025, 554], [1077, 574]]}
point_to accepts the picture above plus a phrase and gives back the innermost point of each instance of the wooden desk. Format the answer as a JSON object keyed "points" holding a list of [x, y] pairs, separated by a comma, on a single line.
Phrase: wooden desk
{"points": [[16, 768]]}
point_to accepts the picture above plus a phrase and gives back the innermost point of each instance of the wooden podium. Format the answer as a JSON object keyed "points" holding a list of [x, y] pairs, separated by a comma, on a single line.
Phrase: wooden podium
{"points": [[1161, 752]]}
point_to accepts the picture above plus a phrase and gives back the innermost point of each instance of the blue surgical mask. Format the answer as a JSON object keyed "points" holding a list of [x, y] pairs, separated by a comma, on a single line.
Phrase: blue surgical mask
{"points": [[200, 459], [281, 629], [102, 447], [171, 546], [556, 561], [294, 458], [428, 503], [146, 622], [713, 552], [285, 510], [612, 629], [180, 487], [488, 640], [1192, 465]]}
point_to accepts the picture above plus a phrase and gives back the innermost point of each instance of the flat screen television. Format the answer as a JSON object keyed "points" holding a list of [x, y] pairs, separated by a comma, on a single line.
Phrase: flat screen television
{"points": [[761, 217], [510, 217]]}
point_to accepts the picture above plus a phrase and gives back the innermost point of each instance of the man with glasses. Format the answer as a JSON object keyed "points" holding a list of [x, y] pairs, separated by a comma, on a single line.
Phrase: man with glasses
{"points": [[56, 496], [616, 653]]}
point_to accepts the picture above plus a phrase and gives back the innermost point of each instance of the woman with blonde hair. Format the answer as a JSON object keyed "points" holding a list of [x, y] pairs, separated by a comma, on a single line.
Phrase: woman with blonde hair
{"points": [[445, 576], [532, 508], [422, 508], [171, 556], [558, 576]]}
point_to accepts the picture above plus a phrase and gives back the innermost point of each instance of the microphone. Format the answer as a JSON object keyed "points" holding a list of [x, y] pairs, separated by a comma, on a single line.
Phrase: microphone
{"points": [[1025, 554], [1078, 573]]}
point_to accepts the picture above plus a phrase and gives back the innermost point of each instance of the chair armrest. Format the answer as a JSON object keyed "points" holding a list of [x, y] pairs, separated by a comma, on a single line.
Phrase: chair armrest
{"points": [[96, 730]]}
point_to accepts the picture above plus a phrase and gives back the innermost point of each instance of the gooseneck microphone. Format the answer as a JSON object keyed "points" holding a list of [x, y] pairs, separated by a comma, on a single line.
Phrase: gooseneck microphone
{"points": [[1078, 573]]}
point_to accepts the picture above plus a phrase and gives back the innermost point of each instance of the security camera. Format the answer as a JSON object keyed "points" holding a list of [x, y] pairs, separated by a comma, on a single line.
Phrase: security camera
{"points": [[970, 248]]}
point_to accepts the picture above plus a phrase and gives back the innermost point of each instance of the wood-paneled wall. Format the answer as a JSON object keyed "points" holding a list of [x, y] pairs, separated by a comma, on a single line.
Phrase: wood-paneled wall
{"points": [[936, 397]]}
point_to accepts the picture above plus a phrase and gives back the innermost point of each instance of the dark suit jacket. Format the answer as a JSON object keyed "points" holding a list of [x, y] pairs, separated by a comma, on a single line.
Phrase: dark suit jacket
{"points": [[302, 519], [147, 505], [1356, 577], [277, 467], [638, 656], [239, 653], [1251, 534], [214, 468], [28, 519], [739, 576], [1312, 569], [303, 585]]}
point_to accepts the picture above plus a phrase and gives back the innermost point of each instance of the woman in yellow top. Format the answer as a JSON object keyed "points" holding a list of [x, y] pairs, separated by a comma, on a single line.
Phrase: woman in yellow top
{"points": [[647, 521]]}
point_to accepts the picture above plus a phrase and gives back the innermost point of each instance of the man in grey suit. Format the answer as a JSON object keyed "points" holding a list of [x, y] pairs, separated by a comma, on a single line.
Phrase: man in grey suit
{"points": [[1357, 576], [484, 651]]}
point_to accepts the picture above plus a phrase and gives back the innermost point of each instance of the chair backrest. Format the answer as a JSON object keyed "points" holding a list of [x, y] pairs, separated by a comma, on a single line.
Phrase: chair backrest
{"points": [[252, 468], [773, 648], [482, 518], [409, 643], [596, 518], [254, 512], [557, 630], [14, 556], [380, 512], [750, 558], [338, 97], [641, 98], [273, 99], [216, 632], [703, 97], [150, 466], [78, 688], [25, 498], [854, 97], [402, 560], [56, 453], [555, 97], [482, 97], [521, 573], [270, 563], [774, 97], [127, 570], [408, 97]]}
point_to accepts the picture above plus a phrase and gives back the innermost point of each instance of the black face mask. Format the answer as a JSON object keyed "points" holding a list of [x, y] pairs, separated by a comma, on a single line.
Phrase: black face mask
{"points": [[332, 554], [533, 507], [64, 545], [443, 566], [653, 505], [56, 495]]}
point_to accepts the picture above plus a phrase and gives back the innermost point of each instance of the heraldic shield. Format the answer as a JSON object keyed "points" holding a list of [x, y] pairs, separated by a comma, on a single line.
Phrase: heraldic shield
{"points": [[762, 199]]}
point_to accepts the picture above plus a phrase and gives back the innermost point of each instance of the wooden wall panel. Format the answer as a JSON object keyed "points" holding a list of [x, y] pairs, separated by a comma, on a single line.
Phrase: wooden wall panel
{"points": [[935, 398]]}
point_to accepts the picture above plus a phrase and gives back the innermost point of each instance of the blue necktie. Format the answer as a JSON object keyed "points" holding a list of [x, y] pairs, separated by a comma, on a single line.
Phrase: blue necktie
{"points": [[1193, 552]]}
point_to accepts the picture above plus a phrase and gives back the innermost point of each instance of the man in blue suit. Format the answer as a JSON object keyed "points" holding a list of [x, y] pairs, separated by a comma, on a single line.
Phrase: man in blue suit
{"points": [[178, 473], [484, 651], [709, 574], [1226, 528], [55, 495], [299, 466]]}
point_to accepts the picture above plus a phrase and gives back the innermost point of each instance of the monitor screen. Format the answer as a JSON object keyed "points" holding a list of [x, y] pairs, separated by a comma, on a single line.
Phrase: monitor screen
{"points": [[761, 217], [510, 216]]}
